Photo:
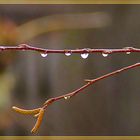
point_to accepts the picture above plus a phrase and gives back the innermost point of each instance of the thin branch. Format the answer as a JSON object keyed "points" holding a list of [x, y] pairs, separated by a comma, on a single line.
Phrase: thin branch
{"points": [[89, 82], [25, 47], [40, 111]]}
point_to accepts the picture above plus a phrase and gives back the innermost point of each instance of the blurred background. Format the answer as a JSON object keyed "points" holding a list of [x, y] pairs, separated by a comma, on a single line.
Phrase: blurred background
{"points": [[109, 107]]}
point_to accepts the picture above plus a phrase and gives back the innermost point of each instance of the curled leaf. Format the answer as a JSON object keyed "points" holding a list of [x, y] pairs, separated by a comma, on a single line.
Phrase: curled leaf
{"points": [[39, 120], [23, 111]]}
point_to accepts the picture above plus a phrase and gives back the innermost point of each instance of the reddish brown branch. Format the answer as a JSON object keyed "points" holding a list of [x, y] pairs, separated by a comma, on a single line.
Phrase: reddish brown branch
{"points": [[89, 82], [67, 96], [26, 47]]}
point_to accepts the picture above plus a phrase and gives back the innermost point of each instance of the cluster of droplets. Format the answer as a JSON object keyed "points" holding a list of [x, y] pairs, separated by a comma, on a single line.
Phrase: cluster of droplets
{"points": [[83, 55]]}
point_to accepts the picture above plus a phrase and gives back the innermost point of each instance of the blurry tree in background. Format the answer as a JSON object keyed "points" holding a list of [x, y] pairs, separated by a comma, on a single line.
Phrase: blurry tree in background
{"points": [[110, 107], [8, 35]]}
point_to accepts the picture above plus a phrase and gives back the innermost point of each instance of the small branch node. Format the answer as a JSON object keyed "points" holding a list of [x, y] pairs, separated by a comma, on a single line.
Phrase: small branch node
{"points": [[36, 115], [2, 48], [88, 80], [24, 46], [107, 51], [49, 101]]}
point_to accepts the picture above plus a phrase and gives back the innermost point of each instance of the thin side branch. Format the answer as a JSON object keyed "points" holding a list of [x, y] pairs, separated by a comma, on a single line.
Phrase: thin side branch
{"points": [[40, 111], [89, 82], [25, 47]]}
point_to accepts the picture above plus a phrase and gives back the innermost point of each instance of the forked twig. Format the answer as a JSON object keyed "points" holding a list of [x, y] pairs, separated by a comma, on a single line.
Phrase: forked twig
{"points": [[39, 112]]}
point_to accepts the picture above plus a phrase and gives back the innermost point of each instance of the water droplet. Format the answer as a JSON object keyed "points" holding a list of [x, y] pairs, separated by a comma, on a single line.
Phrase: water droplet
{"points": [[66, 97], [44, 54], [128, 52], [68, 53], [84, 55], [104, 54]]}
